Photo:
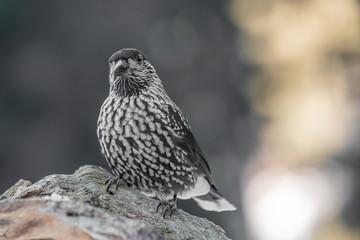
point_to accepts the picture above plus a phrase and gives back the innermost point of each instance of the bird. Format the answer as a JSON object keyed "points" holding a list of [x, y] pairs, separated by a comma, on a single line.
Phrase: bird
{"points": [[147, 141]]}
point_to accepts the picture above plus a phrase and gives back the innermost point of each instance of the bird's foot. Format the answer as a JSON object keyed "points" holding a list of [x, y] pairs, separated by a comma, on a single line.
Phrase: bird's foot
{"points": [[169, 207], [111, 181]]}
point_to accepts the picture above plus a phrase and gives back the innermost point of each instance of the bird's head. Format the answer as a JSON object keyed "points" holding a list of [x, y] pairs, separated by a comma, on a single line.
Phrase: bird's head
{"points": [[131, 72]]}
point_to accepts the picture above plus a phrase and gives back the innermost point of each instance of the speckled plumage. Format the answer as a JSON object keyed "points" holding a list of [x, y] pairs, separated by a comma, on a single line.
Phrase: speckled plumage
{"points": [[147, 141]]}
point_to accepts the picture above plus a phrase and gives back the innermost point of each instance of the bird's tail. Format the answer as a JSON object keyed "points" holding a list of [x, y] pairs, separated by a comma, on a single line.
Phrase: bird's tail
{"points": [[213, 201]]}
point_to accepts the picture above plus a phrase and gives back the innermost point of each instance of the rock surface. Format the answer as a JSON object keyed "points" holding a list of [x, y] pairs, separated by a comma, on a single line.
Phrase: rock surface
{"points": [[77, 207]]}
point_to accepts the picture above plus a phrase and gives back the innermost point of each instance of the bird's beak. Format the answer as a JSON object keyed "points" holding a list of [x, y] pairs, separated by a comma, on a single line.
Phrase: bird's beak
{"points": [[120, 67]]}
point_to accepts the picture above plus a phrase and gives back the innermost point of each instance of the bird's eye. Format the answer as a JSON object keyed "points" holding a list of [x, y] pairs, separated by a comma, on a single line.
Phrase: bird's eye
{"points": [[139, 59]]}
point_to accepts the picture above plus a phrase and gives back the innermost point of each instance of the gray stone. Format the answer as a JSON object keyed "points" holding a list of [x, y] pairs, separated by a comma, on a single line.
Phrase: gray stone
{"points": [[80, 201]]}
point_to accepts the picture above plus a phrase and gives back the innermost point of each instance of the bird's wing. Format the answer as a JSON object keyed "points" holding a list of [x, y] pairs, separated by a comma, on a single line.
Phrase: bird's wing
{"points": [[185, 140]]}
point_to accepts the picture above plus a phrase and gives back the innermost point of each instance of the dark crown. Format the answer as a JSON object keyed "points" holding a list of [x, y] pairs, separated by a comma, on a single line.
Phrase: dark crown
{"points": [[126, 53]]}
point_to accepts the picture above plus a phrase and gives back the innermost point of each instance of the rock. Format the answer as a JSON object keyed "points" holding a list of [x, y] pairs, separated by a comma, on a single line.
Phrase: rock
{"points": [[77, 207]]}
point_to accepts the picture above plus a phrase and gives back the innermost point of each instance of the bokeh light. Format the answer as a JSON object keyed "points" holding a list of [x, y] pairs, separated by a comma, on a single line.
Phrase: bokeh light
{"points": [[298, 184]]}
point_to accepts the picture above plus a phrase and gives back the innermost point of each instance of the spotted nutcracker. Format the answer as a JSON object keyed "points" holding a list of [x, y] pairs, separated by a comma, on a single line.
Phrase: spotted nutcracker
{"points": [[147, 140]]}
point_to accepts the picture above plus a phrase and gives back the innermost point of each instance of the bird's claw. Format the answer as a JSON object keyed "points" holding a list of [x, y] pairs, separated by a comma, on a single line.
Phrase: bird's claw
{"points": [[111, 181], [169, 208]]}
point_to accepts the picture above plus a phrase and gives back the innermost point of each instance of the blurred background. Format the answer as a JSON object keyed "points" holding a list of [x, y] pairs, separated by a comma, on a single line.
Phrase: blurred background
{"points": [[271, 89]]}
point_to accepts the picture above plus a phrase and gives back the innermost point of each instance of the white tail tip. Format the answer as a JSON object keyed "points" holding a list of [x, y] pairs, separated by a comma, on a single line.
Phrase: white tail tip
{"points": [[217, 205]]}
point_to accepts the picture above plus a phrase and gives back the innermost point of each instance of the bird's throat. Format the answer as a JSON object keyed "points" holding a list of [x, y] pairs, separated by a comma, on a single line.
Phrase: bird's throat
{"points": [[128, 86]]}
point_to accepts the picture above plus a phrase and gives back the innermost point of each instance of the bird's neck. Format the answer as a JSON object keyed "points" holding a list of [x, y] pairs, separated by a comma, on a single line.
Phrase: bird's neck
{"points": [[128, 87]]}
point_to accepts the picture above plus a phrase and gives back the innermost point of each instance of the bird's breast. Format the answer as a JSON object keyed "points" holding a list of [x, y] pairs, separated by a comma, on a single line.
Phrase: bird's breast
{"points": [[134, 121], [136, 139]]}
